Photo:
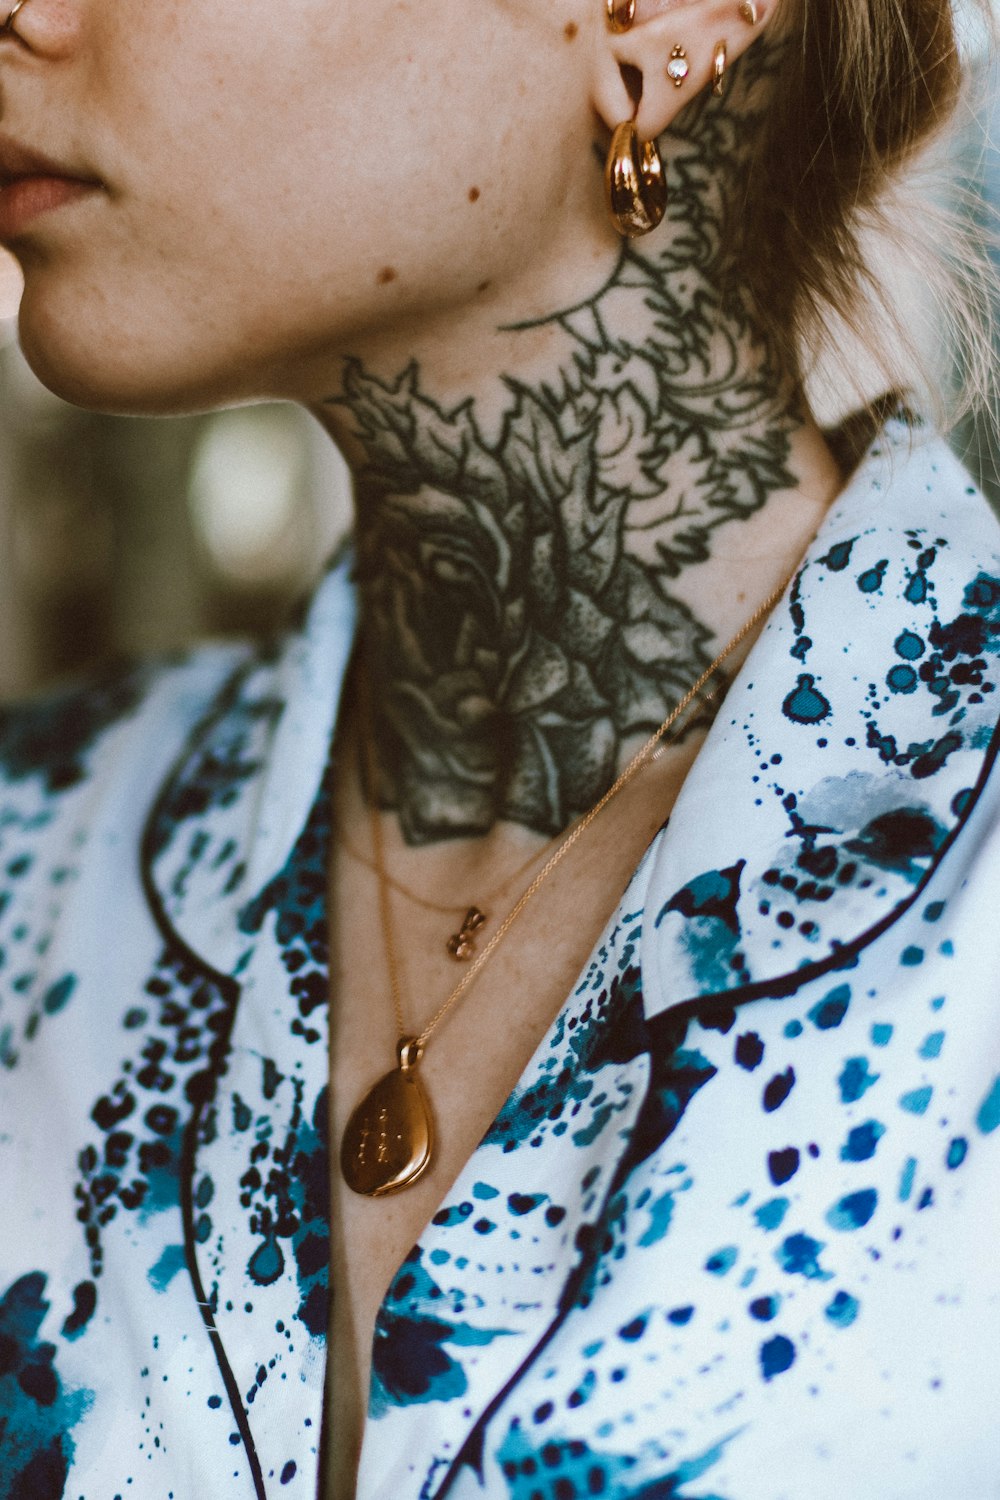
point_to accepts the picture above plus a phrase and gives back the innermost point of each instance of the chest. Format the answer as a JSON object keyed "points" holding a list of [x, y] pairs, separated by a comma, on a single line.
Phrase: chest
{"points": [[470, 1070]]}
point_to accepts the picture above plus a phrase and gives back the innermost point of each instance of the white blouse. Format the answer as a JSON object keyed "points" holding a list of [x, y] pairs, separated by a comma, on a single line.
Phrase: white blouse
{"points": [[735, 1234]]}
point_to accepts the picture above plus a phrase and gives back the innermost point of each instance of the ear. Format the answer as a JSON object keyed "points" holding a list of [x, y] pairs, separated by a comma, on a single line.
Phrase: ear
{"points": [[696, 28]]}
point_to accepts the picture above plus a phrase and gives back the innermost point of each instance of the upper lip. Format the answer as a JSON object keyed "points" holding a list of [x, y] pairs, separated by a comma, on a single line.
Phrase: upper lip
{"points": [[17, 162]]}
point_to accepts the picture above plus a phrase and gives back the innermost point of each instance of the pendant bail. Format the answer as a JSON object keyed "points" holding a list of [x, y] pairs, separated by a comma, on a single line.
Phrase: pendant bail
{"points": [[409, 1051], [462, 944]]}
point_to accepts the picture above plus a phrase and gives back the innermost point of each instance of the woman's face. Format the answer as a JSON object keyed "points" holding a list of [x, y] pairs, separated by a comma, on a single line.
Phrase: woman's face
{"points": [[265, 184]]}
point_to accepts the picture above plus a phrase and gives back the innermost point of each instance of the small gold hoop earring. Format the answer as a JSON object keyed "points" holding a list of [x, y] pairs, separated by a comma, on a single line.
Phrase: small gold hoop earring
{"points": [[747, 12], [635, 182], [620, 13], [718, 68]]}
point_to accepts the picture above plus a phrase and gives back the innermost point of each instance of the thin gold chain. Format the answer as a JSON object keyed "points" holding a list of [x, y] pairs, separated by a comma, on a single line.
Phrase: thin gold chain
{"points": [[383, 888], [577, 831], [486, 898]]}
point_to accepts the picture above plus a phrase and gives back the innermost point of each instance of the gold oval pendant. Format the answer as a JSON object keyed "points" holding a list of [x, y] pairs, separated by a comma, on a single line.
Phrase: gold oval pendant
{"points": [[389, 1138]]}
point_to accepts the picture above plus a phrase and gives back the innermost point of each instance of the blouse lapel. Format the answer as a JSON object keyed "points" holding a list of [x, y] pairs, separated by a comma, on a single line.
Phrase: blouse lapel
{"points": [[236, 862], [850, 749], [227, 820]]}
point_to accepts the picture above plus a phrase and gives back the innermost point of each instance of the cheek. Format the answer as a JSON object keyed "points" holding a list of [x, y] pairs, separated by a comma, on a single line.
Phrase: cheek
{"points": [[441, 193], [251, 229]]}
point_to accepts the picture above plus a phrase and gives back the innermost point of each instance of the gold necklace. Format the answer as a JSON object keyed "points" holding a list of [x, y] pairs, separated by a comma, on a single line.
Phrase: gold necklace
{"points": [[461, 945], [388, 1142]]}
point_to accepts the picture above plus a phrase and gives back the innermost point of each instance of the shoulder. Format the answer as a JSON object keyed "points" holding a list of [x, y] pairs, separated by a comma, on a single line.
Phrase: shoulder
{"points": [[58, 741], [90, 757]]}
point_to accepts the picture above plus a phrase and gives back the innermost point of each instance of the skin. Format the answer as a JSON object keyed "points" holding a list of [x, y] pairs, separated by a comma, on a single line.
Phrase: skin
{"points": [[579, 468], [199, 175]]}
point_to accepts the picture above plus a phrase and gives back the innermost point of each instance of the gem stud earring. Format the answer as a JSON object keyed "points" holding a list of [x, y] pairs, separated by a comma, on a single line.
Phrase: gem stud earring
{"points": [[677, 67]]}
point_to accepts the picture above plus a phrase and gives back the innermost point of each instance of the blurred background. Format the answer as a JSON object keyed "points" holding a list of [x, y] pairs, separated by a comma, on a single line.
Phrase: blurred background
{"points": [[130, 535], [124, 535]]}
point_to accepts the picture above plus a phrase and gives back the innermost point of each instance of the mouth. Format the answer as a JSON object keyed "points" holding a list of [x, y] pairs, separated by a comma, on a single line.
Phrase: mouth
{"points": [[32, 185]]}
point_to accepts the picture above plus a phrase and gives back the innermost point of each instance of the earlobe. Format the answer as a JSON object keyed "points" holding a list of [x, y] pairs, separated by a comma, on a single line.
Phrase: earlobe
{"points": [[611, 97]]}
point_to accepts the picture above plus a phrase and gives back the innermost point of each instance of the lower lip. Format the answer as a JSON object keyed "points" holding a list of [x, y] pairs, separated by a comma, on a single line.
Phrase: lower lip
{"points": [[28, 198]]}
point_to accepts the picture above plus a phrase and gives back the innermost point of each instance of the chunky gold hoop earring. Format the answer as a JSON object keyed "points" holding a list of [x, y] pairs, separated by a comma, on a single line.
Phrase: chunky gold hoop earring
{"points": [[620, 13], [747, 12], [635, 182], [718, 67], [677, 66], [8, 25]]}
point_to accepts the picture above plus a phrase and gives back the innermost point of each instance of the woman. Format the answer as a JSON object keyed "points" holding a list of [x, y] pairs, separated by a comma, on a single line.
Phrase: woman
{"points": [[721, 1221]]}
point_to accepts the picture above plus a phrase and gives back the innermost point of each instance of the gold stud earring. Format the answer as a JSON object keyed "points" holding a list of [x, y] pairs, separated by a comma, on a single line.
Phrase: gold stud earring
{"points": [[634, 182], [718, 68], [621, 14], [677, 67], [747, 12]]}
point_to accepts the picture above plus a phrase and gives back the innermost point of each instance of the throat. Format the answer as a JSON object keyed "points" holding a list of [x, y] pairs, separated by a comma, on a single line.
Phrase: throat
{"points": [[533, 608]]}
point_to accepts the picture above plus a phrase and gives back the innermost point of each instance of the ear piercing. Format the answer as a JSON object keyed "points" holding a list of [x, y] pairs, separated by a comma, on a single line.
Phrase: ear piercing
{"points": [[620, 13], [620, 17], [718, 68], [677, 67]]}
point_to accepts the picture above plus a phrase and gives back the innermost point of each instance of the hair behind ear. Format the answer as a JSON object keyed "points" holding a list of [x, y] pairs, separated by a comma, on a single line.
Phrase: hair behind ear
{"points": [[860, 86]]}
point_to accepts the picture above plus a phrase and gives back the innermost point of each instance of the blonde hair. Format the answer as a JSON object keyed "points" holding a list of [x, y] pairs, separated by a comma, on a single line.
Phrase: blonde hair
{"points": [[862, 89]]}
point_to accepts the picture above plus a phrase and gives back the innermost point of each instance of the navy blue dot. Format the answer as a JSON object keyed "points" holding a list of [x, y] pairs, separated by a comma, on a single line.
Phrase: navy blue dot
{"points": [[777, 1355], [782, 1165], [778, 1090], [634, 1330], [749, 1050], [764, 1309]]}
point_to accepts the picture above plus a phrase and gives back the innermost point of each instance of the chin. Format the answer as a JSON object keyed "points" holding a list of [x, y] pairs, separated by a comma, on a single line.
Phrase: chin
{"points": [[103, 364]]}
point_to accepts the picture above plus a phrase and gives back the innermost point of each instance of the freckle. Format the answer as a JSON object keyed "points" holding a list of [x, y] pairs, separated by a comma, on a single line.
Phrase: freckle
{"points": [[386, 275], [473, 194], [570, 30], [483, 286]]}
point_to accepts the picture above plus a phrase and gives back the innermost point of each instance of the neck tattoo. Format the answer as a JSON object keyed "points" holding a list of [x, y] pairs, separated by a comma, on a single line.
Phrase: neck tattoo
{"points": [[518, 592]]}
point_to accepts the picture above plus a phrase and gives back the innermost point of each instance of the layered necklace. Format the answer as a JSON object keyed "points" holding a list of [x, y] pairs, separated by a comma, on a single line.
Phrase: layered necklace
{"points": [[388, 1142]]}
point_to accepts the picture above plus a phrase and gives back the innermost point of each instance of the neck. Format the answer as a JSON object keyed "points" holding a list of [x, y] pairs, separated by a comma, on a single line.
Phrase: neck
{"points": [[548, 560]]}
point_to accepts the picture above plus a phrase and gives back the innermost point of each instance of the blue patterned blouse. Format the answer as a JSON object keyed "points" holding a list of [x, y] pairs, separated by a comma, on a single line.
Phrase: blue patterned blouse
{"points": [[736, 1233]]}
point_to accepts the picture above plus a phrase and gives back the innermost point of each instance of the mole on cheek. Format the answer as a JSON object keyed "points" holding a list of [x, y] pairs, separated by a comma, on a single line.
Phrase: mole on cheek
{"points": [[570, 30], [386, 275], [483, 286], [473, 194]]}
